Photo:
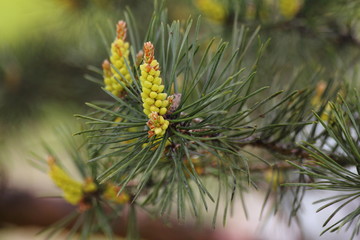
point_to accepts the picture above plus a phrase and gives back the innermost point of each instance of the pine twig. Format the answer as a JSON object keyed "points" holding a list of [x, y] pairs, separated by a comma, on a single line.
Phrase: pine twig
{"points": [[21, 208]]}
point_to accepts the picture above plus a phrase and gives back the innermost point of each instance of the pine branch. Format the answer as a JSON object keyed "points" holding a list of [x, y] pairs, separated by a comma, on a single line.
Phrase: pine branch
{"points": [[331, 175], [23, 209], [182, 109], [289, 150]]}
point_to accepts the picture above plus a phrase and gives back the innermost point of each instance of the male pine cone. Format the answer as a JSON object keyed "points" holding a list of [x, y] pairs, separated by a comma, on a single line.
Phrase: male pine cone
{"points": [[155, 102], [119, 57]]}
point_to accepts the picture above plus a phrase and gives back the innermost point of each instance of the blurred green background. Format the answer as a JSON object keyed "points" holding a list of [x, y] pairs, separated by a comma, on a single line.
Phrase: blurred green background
{"points": [[46, 46]]}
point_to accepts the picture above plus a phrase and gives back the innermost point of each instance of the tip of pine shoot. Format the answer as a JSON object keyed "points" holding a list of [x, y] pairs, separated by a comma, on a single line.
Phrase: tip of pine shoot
{"points": [[148, 52], [121, 30]]}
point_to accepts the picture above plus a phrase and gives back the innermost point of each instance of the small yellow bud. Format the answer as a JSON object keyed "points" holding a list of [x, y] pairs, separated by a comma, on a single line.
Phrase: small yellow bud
{"points": [[118, 64], [144, 75], [150, 78], [152, 72], [163, 111], [154, 109], [147, 84], [165, 103], [114, 57], [107, 81], [158, 103], [153, 94], [146, 111], [161, 88], [161, 96], [146, 90], [146, 106], [149, 101], [114, 85], [154, 63], [157, 131], [155, 88], [144, 95], [123, 71], [157, 80]]}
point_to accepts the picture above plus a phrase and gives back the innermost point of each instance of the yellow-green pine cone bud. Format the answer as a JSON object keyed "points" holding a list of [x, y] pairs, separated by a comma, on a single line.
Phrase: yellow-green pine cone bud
{"points": [[155, 102], [107, 74], [72, 189], [119, 54], [157, 124]]}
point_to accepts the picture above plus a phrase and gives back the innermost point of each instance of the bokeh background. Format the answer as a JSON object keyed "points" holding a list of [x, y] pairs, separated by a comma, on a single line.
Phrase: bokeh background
{"points": [[47, 46]]}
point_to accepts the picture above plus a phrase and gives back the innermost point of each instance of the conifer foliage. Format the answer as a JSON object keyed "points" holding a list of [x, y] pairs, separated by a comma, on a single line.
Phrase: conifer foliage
{"points": [[182, 112]]}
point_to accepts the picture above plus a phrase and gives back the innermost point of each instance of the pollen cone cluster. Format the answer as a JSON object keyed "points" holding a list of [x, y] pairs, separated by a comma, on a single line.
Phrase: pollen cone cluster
{"points": [[119, 54], [155, 102], [72, 189]]}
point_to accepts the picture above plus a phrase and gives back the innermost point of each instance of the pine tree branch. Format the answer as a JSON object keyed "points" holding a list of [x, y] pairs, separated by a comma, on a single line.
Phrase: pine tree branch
{"points": [[288, 150], [23, 209]]}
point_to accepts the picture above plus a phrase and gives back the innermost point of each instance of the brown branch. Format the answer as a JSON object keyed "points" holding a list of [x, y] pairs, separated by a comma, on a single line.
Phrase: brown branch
{"points": [[283, 149], [279, 165], [288, 150], [23, 209], [292, 151]]}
